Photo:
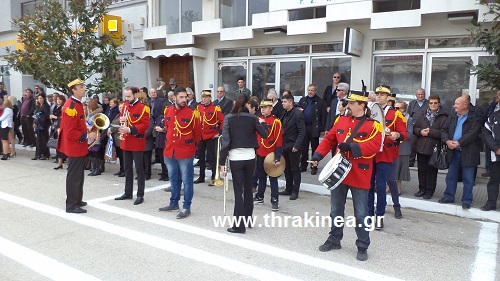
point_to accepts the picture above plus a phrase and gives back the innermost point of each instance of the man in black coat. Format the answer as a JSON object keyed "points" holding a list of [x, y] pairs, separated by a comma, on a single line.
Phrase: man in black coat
{"points": [[461, 134], [294, 130], [342, 91], [331, 90], [224, 103], [415, 109], [277, 104], [314, 110], [156, 111], [492, 140]]}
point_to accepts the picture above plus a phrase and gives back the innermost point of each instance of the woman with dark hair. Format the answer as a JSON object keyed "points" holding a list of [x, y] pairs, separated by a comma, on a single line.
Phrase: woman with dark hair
{"points": [[427, 128], [239, 143], [56, 117], [42, 126]]}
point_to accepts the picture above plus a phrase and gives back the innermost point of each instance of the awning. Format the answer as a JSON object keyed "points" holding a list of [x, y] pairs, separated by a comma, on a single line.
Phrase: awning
{"points": [[195, 52]]}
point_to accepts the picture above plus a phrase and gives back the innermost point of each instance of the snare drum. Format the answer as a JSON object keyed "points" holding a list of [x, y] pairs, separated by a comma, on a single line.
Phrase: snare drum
{"points": [[335, 171]]}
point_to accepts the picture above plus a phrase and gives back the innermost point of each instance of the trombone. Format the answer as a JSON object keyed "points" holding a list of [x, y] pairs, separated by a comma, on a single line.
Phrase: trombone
{"points": [[217, 181]]}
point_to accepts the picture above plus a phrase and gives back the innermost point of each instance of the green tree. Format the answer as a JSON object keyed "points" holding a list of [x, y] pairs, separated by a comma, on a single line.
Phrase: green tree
{"points": [[60, 45], [486, 34]]}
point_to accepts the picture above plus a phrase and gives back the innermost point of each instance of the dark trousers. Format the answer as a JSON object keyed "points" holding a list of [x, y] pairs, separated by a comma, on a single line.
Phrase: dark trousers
{"points": [[42, 138], [158, 154], [314, 141], [242, 172], [17, 131], [147, 162], [138, 159], [493, 184], [28, 131], [292, 171], [209, 146], [427, 175], [262, 176], [119, 155], [74, 182], [164, 171]]}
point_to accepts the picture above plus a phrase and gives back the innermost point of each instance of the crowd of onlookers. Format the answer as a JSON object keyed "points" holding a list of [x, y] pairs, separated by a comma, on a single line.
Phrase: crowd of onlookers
{"points": [[35, 119]]}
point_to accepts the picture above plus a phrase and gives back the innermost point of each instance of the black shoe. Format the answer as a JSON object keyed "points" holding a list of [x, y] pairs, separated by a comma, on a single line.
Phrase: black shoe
{"points": [[139, 200], [427, 196], [284, 192], [420, 193], [379, 223], [82, 204], [465, 206], [183, 214], [147, 177], [76, 210], [362, 254], [58, 167], [487, 208], [32, 145], [35, 158], [232, 230], [303, 170], [43, 158], [162, 178], [123, 197], [397, 213], [169, 208], [294, 196], [445, 201], [117, 173], [199, 180], [328, 246], [121, 175], [314, 171]]}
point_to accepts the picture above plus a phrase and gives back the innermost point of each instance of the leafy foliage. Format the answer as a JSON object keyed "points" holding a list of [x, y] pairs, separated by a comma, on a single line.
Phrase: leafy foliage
{"points": [[60, 45], [486, 34]]}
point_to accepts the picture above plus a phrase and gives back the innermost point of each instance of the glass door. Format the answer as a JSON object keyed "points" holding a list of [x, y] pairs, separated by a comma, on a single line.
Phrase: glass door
{"points": [[263, 78], [293, 77]]}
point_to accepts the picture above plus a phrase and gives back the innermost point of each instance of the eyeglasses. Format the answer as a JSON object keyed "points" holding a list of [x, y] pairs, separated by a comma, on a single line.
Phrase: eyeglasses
{"points": [[220, 91], [336, 76], [397, 108], [340, 90], [434, 102]]}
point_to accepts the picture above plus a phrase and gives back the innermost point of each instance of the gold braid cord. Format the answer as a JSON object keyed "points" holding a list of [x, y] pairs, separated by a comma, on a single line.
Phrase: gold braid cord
{"points": [[129, 119], [207, 121], [178, 127], [273, 128]]}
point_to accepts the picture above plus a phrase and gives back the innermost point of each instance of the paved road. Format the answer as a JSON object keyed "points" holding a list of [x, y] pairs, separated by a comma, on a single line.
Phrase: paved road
{"points": [[120, 241]]}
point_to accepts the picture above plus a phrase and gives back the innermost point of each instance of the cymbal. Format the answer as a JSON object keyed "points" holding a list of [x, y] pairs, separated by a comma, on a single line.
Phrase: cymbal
{"points": [[271, 169]]}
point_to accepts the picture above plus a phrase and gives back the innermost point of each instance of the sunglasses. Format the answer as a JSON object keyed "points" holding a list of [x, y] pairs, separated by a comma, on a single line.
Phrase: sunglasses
{"points": [[336, 76], [397, 108], [434, 102]]}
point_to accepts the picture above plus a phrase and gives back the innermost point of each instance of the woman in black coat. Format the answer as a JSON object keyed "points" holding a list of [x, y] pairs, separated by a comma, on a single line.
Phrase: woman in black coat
{"points": [[56, 119], [42, 127], [427, 128], [239, 143], [161, 138]]}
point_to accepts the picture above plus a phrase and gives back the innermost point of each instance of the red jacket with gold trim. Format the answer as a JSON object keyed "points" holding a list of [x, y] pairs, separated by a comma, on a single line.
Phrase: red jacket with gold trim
{"points": [[274, 141], [211, 119], [183, 130], [72, 139], [395, 122], [138, 122], [364, 146]]}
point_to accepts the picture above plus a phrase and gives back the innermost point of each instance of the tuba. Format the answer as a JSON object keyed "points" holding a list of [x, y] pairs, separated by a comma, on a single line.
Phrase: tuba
{"points": [[101, 122]]}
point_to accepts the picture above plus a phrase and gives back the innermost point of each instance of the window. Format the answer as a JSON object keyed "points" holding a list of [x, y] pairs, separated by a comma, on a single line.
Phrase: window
{"points": [[229, 72], [178, 15], [380, 6], [303, 49], [236, 13], [232, 53], [402, 73], [308, 13], [324, 68], [328, 48], [29, 7], [450, 42], [386, 45]]}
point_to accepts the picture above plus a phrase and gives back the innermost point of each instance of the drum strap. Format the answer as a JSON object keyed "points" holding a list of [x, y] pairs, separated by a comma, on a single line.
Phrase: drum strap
{"points": [[356, 129]]}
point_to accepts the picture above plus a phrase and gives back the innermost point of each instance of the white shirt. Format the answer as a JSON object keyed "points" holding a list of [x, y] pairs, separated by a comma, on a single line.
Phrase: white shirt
{"points": [[6, 118], [239, 154]]}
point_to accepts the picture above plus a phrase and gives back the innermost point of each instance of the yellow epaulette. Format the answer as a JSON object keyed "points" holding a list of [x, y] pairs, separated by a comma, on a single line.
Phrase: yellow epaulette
{"points": [[336, 119], [377, 128], [196, 113], [71, 111], [165, 110], [147, 109], [400, 115], [217, 108]]}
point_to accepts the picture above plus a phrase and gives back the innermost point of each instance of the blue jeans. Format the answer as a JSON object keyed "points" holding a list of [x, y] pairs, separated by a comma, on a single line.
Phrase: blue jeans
{"points": [[452, 179], [380, 176], [262, 176], [360, 203], [180, 171]]}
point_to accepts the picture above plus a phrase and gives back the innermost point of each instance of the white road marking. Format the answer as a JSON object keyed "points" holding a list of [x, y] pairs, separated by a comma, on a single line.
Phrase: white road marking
{"points": [[112, 197], [44, 265], [153, 241], [484, 268]]}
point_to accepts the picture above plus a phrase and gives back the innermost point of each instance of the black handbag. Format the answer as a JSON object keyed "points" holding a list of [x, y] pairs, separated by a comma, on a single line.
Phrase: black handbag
{"points": [[52, 143], [438, 158]]}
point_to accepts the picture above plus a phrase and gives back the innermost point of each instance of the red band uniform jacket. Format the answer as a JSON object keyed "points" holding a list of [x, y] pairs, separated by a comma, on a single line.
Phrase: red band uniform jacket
{"points": [[183, 132], [395, 122], [364, 146], [274, 141], [138, 121], [72, 139], [211, 119]]}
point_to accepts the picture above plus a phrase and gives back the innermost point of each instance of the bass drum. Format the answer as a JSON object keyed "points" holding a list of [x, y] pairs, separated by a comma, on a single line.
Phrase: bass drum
{"points": [[378, 114], [335, 171]]}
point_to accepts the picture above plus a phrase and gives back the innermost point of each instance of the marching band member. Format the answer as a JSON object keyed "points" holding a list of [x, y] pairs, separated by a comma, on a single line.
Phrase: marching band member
{"points": [[211, 119], [272, 143], [135, 119], [183, 128], [360, 152], [239, 143], [72, 142], [395, 133]]}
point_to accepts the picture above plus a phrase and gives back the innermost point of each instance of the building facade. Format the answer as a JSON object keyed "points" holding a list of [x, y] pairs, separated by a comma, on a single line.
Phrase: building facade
{"points": [[288, 44]]}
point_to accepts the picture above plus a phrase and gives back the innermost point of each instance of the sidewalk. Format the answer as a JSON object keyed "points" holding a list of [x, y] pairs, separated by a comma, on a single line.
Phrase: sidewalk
{"points": [[311, 184]]}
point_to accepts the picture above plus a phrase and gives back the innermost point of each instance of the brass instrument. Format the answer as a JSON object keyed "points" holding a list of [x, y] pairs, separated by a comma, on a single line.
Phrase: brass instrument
{"points": [[126, 115], [101, 122], [226, 184], [217, 181]]}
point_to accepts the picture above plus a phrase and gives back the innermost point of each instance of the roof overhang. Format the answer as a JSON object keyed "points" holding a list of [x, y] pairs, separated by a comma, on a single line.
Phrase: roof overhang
{"points": [[195, 52]]}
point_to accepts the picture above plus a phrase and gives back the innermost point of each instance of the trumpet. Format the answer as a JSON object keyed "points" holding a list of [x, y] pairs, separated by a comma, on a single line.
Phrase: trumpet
{"points": [[217, 181], [125, 114], [101, 122]]}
